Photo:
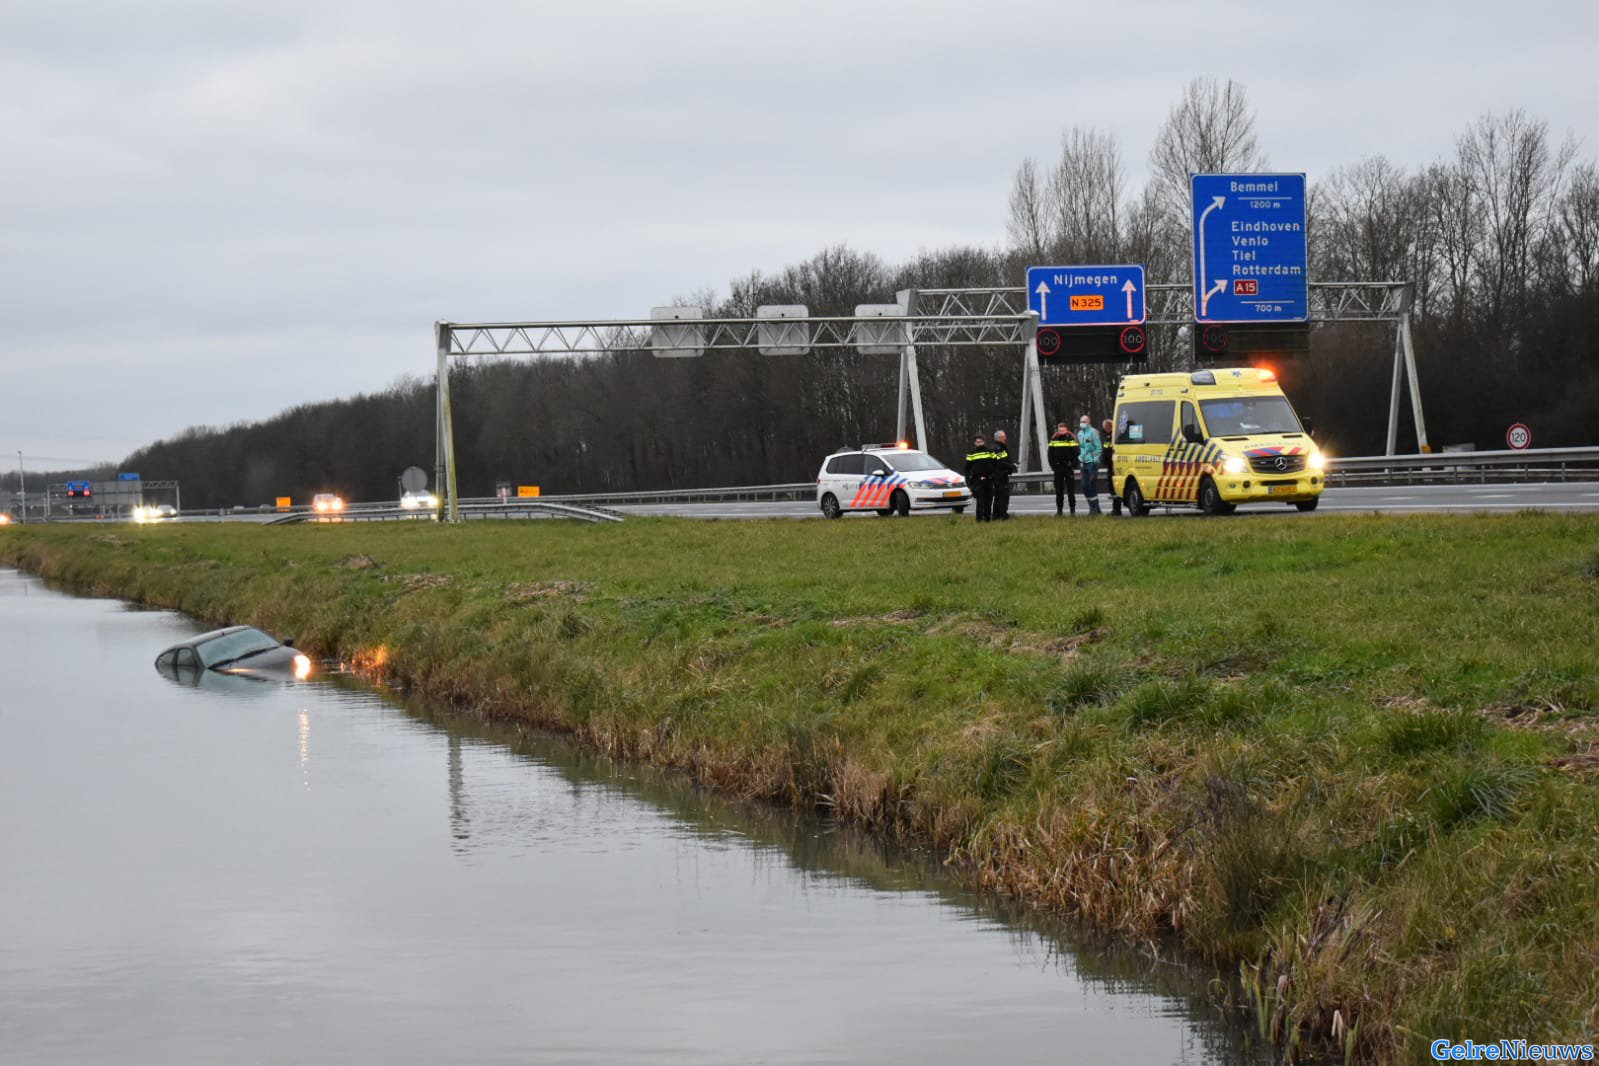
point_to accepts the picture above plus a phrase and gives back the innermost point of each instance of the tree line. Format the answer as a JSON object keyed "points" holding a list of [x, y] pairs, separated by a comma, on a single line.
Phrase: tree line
{"points": [[1500, 241]]}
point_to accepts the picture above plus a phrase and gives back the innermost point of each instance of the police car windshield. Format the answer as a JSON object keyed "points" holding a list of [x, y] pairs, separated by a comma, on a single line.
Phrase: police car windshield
{"points": [[1249, 415], [909, 462]]}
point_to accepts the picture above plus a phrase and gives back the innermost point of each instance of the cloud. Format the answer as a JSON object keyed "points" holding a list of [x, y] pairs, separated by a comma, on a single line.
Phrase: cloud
{"points": [[186, 177]]}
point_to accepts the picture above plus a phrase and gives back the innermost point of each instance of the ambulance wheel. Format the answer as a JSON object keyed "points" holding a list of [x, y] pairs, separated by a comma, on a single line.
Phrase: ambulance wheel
{"points": [[830, 506], [1210, 500], [1308, 505], [900, 504], [959, 510], [1137, 506]]}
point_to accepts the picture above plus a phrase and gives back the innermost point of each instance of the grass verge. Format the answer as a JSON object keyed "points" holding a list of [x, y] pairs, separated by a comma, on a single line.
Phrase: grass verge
{"points": [[1354, 757]]}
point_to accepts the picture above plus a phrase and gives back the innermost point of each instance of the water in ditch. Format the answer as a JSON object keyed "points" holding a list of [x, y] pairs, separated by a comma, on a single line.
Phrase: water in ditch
{"points": [[315, 873]]}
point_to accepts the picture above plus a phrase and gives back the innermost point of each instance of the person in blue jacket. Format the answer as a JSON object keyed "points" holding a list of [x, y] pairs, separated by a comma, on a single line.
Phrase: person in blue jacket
{"points": [[1088, 452]]}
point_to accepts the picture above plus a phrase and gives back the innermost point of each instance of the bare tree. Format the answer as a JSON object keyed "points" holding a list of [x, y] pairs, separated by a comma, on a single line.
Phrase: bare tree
{"points": [[1367, 222], [1455, 225], [1517, 176], [1576, 236], [1210, 130], [1085, 197], [1028, 226]]}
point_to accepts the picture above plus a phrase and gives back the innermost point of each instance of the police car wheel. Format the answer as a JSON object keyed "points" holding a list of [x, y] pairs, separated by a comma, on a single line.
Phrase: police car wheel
{"points": [[959, 510], [830, 506], [901, 504], [1307, 505], [886, 512]]}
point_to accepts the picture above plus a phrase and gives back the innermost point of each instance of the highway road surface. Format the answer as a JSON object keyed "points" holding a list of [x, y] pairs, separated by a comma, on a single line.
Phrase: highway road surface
{"points": [[1575, 497]]}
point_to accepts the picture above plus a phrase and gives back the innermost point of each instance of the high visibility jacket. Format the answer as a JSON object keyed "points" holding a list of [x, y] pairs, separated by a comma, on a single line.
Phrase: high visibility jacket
{"points": [[979, 463], [1063, 453], [1003, 467]]}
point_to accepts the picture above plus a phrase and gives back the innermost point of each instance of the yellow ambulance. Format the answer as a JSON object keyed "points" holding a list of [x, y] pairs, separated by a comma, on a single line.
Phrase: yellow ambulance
{"points": [[1212, 439]]}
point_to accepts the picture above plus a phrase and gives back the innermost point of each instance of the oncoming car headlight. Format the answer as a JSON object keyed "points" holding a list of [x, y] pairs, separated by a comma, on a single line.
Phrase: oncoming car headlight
{"points": [[1235, 464], [1318, 461]]}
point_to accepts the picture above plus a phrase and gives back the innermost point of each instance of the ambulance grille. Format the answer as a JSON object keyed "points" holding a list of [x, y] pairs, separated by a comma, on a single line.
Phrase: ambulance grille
{"points": [[1277, 464]]}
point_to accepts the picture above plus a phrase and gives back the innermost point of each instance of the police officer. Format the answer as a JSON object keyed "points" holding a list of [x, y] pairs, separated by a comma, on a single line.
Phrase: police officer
{"points": [[1003, 469], [1063, 448], [1107, 463], [980, 476]]}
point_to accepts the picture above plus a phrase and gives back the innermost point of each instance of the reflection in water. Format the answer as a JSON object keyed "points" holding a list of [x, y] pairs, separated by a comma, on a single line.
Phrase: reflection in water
{"points": [[824, 853], [173, 890], [460, 829]]}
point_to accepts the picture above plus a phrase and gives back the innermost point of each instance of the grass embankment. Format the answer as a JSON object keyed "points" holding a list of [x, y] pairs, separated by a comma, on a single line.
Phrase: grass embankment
{"points": [[1355, 756]]}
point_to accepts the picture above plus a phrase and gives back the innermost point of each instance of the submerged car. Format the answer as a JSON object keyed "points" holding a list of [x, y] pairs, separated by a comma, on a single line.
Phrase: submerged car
{"points": [[238, 651]]}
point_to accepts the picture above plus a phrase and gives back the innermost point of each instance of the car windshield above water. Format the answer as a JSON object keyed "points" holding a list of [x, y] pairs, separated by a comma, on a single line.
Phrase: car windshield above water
{"points": [[232, 646], [910, 462], [1249, 415]]}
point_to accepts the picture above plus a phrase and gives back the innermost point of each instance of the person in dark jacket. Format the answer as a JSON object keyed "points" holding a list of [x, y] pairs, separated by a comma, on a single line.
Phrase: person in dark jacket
{"points": [[1107, 463], [980, 477], [1004, 467], [1063, 450]]}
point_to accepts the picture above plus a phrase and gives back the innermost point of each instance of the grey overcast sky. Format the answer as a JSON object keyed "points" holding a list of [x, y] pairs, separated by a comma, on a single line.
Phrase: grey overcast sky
{"points": [[216, 209]]}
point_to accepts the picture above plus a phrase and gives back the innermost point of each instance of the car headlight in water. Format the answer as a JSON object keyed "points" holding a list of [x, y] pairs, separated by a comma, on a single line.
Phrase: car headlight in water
{"points": [[1318, 461], [302, 667], [1235, 464]]}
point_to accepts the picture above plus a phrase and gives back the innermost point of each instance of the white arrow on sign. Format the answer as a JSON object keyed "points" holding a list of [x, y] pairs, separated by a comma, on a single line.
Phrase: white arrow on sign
{"points": [[1216, 203], [1129, 289], [1043, 301], [1215, 290]]}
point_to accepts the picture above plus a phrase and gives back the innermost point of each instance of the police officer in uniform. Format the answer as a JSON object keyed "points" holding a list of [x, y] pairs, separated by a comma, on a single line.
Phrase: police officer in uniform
{"points": [[980, 476], [1063, 448], [1003, 469], [1107, 463]]}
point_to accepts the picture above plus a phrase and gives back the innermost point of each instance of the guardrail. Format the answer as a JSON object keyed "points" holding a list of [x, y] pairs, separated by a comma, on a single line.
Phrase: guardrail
{"points": [[494, 507], [1543, 464]]}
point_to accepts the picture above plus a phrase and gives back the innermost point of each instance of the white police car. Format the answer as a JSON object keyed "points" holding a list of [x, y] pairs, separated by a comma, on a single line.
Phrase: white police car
{"points": [[891, 479]]}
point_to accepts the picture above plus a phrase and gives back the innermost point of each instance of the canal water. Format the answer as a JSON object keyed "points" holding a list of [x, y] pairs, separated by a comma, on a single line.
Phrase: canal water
{"points": [[315, 873]]}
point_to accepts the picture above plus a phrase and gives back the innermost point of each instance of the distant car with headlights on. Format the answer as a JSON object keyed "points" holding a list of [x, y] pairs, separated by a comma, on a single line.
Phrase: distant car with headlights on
{"points": [[5, 519], [154, 512], [327, 503], [238, 651], [891, 479], [419, 501]]}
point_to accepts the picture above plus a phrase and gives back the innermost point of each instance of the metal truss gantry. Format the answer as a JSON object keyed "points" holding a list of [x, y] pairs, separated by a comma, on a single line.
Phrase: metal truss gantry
{"points": [[973, 318]]}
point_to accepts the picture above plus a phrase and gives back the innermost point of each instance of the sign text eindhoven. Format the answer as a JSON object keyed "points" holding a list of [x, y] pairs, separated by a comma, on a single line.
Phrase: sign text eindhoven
{"points": [[1250, 259], [1086, 295]]}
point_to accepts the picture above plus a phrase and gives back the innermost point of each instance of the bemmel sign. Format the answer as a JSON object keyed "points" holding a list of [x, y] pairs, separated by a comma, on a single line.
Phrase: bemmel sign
{"points": [[1250, 258]]}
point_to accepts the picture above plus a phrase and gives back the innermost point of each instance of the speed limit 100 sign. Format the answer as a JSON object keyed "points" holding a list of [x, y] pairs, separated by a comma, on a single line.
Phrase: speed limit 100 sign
{"points": [[1518, 436]]}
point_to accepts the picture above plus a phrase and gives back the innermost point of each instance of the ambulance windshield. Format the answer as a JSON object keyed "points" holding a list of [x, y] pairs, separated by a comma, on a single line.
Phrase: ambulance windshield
{"points": [[1248, 416]]}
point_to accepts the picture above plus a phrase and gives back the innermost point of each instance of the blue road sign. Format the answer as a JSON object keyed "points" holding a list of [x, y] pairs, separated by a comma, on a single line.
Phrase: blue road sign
{"points": [[1086, 295], [1250, 260], [127, 477]]}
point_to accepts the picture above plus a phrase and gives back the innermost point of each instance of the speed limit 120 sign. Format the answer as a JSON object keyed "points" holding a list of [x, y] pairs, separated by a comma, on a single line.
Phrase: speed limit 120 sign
{"points": [[1518, 436]]}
